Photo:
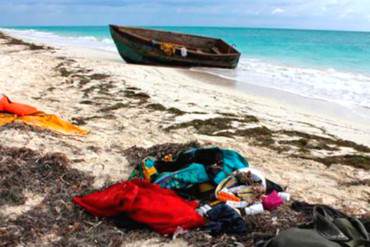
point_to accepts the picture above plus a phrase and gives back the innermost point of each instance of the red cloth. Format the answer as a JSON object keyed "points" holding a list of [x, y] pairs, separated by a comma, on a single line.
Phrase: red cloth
{"points": [[272, 201], [161, 209], [16, 108]]}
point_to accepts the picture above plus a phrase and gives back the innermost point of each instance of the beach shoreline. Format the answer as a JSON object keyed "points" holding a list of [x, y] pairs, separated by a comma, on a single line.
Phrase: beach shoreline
{"points": [[319, 158], [355, 118]]}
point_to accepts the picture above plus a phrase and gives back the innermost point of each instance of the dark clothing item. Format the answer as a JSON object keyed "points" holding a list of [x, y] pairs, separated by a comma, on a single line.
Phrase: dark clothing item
{"points": [[271, 186], [329, 228], [224, 219], [308, 209], [218, 163], [160, 209], [296, 237], [204, 156], [193, 193], [366, 222]]}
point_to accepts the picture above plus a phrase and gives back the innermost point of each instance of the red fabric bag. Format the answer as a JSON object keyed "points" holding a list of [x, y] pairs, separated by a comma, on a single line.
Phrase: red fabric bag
{"points": [[161, 209]]}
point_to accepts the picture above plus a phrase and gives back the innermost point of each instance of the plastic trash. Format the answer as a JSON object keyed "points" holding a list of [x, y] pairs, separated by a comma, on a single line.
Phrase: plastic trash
{"points": [[184, 52], [203, 209], [285, 196], [254, 209]]}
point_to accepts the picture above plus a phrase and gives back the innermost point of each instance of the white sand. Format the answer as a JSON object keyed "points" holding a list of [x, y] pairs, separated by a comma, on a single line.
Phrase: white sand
{"points": [[30, 77]]}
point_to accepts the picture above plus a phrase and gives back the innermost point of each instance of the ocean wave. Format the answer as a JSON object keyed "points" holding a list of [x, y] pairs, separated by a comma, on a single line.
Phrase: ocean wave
{"points": [[345, 88], [61, 40]]}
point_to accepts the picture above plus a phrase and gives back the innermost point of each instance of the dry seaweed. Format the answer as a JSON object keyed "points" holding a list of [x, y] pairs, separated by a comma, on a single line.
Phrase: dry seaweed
{"points": [[324, 142], [98, 76], [103, 116], [78, 121], [28, 128], [160, 107], [135, 155], [56, 217], [223, 126], [66, 225], [81, 74], [101, 88], [114, 107], [156, 107], [30, 46], [218, 126], [64, 72], [359, 161], [175, 111], [364, 182], [143, 97], [263, 136]]}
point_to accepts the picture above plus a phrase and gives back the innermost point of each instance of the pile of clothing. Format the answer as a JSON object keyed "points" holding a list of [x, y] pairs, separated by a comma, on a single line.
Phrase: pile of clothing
{"points": [[12, 112], [208, 188]]}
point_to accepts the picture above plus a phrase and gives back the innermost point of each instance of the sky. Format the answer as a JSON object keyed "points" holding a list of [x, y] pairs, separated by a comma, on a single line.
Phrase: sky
{"points": [[302, 14]]}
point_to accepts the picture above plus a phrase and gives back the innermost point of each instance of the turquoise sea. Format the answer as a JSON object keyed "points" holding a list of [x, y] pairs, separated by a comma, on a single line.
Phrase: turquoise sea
{"points": [[328, 65]]}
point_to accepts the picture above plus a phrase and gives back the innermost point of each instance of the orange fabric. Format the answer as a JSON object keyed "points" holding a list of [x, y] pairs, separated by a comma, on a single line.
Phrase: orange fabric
{"points": [[168, 158], [168, 48], [52, 122], [223, 196], [13, 111], [46, 121], [16, 108]]}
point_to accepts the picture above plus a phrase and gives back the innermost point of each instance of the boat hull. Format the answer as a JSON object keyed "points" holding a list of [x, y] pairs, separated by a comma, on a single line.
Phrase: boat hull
{"points": [[135, 50]]}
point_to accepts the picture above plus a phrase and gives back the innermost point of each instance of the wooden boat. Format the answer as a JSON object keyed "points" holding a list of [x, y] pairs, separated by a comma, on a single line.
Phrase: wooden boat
{"points": [[145, 46]]}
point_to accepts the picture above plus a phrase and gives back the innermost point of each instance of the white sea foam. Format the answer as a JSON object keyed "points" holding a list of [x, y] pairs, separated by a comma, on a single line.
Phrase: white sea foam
{"points": [[345, 88], [59, 40]]}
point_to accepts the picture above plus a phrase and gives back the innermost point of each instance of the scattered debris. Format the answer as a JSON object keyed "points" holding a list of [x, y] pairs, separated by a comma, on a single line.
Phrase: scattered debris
{"points": [[30, 46]]}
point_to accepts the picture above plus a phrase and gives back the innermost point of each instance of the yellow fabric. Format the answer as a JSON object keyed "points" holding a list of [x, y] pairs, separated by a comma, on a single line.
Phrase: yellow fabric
{"points": [[248, 194], [214, 203], [6, 118], [46, 121], [148, 172], [168, 48]]}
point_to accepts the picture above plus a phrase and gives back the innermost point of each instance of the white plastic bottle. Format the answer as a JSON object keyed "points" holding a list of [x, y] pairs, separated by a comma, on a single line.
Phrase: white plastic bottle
{"points": [[285, 196], [254, 209]]}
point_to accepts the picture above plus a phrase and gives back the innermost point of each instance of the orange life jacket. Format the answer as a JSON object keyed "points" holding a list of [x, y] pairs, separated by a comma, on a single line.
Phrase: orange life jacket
{"points": [[16, 108]]}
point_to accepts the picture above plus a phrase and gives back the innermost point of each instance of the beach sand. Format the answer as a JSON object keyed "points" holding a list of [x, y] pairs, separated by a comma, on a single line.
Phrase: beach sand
{"points": [[321, 159]]}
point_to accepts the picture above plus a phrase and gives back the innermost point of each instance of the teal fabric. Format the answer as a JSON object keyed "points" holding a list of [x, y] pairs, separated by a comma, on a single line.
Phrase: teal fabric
{"points": [[198, 165], [232, 161], [184, 178], [149, 162]]}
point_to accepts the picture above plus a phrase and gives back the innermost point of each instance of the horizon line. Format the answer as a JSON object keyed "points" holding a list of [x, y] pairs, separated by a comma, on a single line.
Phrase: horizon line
{"points": [[200, 26]]}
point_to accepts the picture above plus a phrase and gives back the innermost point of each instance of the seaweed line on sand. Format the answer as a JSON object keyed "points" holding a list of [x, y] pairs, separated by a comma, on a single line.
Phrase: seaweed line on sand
{"points": [[303, 145]]}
